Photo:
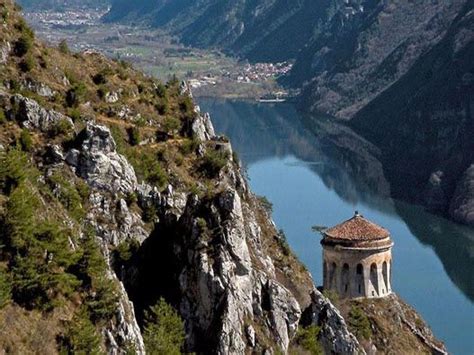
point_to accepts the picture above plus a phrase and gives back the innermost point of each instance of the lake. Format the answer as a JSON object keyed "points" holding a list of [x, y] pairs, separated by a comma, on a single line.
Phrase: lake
{"points": [[316, 172]]}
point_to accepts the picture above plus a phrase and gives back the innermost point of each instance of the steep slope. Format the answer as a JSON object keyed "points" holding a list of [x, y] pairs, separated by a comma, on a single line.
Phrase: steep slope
{"points": [[400, 72], [126, 225], [364, 50], [430, 110], [112, 182], [264, 30]]}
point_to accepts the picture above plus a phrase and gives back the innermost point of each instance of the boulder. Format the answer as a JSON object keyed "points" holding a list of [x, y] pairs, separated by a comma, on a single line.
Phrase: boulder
{"points": [[112, 97], [98, 162], [39, 88], [33, 116]]}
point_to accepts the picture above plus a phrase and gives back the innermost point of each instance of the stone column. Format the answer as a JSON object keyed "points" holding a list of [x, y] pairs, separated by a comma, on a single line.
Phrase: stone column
{"points": [[382, 291], [367, 283]]}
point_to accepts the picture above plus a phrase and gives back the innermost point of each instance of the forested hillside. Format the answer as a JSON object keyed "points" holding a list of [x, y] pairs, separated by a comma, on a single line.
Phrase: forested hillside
{"points": [[266, 30]]}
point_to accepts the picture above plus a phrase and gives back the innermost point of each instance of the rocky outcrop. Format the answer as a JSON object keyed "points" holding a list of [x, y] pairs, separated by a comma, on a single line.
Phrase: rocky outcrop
{"points": [[223, 293], [39, 88], [33, 116], [202, 127], [5, 49], [335, 335], [108, 174], [462, 204], [396, 326], [98, 162]]}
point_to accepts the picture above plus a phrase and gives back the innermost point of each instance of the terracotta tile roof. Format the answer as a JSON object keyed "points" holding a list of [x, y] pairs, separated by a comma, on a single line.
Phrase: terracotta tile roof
{"points": [[357, 229]]}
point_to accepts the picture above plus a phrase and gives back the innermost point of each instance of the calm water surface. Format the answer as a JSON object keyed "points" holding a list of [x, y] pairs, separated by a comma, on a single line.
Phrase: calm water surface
{"points": [[318, 173]]}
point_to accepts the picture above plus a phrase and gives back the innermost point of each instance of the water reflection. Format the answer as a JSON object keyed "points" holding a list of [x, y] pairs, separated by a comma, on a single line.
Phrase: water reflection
{"points": [[312, 168]]}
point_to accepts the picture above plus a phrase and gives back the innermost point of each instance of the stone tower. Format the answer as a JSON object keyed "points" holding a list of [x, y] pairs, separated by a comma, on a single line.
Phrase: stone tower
{"points": [[357, 257]]}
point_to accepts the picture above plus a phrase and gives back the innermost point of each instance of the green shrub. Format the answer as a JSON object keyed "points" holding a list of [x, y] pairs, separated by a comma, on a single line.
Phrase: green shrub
{"points": [[189, 146], [100, 78], [3, 117], [133, 135], [27, 64], [14, 169], [68, 195], [81, 336], [266, 204], [307, 339], [164, 330], [62, 127], [91, 269], [186, 106], [161, 91], [75, 95], [24, 29], [171, 124], [26, 142], [102, 302], [40, 264], [15, 85], [23, 45], [125, 251], [75, 114], [214, 161], [5, 15], [149, 214], [332, 295], [63, 47], [156, 175], [5, 288], [359, 323], [40, 253], [162, 107]]}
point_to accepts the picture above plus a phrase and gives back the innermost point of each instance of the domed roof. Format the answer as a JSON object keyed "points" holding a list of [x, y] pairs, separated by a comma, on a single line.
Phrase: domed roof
{"points": [[357, 229]]}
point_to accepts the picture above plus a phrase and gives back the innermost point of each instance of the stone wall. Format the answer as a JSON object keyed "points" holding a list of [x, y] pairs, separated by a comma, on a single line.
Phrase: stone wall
{"points": [[354, 273]]}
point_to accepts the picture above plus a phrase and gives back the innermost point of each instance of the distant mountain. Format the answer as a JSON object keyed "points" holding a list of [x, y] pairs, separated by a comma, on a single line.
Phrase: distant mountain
{"points": [[259, 30], [60, 4], [402, 74]]}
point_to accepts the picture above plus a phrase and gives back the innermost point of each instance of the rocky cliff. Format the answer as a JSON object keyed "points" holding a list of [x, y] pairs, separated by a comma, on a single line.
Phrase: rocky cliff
{"points": [[110, 207], [86, 180]]}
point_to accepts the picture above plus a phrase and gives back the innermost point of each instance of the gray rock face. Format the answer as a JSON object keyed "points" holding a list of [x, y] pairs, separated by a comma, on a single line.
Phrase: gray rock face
{"points": [[202, 127], [34, 116], [5, 49], [462, 204], [222, 284], [39, 88], [112, 97], [98, 162], [335, 335], [109, 173]]}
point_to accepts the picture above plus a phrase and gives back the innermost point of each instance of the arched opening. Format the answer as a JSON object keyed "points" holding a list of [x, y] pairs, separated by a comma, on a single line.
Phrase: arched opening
{"points": [[374, 279], [332, 276], [360, 280], [345, 279], [385, 276]]}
